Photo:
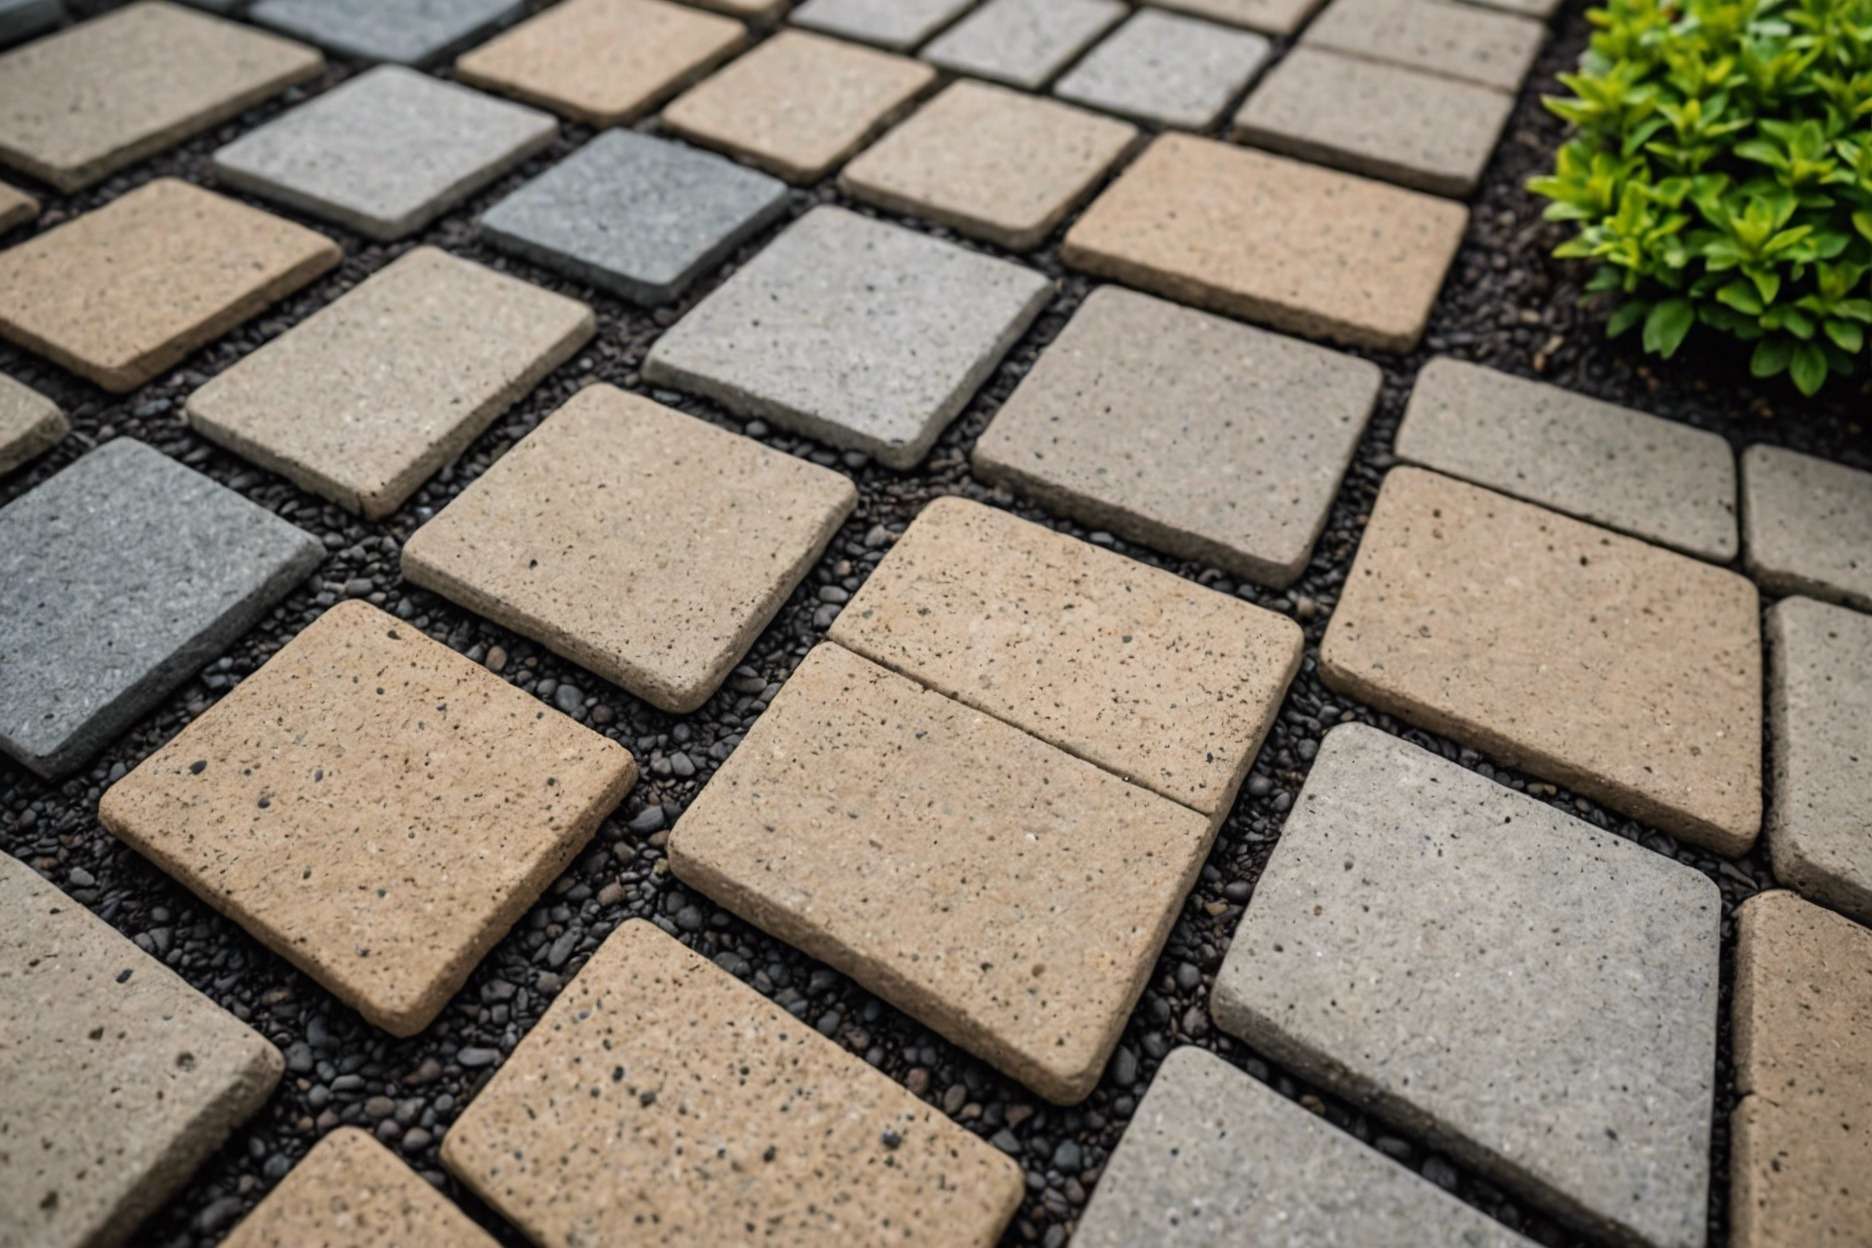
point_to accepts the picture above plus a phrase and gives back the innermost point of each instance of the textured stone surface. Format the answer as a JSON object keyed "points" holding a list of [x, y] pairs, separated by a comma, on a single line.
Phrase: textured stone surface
{"points": [[638, 216], [1807, 526], [414, 32], [603, 62], [104, 94], [1801, 1137], [30, 424], [125, 573], [1276, 17], [386, 153], [728, 1112], [1628, 673], [896, 24], [810, 334], [1820, 727], [322, 806], [1162, 682], [1301, 248], [1167, 69], [363, 401], [120, 1078], [800, 104], [1213, 1156], [991, 163], [22, 19], [1656, 479], [1004, 893], [1412, 128], [16, 208], [708, 530], [1024, 43], [352, 1192], [1186, 432], [1454, 40], [1569, 1052]]}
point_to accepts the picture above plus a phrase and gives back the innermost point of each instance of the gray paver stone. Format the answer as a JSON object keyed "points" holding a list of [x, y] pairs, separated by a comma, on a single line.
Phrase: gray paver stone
{"points": [[1275, 17], [1456, 40], [30, 424], [1024, 43], [1166, 68], [22, 19], [1807, 526], [896, 24], [414, 32]]}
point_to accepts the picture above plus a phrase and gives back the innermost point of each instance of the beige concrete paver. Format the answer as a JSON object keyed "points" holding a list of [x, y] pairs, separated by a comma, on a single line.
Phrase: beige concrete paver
{"points": [[1274, 17], [1807, 526], [643, 544], [16, 208], [1801, 1136], [800, 104], [662, 1100], [1455, 40], [990, 162], [364, 400], [1626, 672], [89, 100], [1301, 248], [374, 808], [30, 424], [603, 62], [1009, 896]]}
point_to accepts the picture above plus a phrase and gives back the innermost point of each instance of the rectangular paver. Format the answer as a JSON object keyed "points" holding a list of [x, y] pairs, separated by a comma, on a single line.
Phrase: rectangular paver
{"points": [[413, 32], [1301, 248], [16, 208], [1458, 41], [101, 95], [810, 334], [30, 424], [1534, 995], [1195, 435], [324, 805], [1006, 894], [1628, 673], [120, 1079], [1163, 682], [1275, 17], [613, 491], [896, 24], [1656, 479], [1807, 526], [1166, 69], [1024, 43], [731, 1119]]}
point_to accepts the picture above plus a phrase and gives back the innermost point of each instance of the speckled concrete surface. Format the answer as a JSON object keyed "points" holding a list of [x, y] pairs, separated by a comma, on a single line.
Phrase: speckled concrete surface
{"points": [[1167, 69], [30, 424], [1459, 41], [1024, 43], [413, 32], [896, 24], [1807, 525]]}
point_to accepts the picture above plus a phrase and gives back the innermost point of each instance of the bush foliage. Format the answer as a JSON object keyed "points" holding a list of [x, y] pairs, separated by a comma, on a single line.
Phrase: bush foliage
{"points": [[1720, 170]]}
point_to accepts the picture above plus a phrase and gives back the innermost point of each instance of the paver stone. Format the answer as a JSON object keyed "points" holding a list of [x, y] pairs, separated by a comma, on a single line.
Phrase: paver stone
{"points": [[1807, 526], [1460, 41], [1274, 17], [1024, 43], [1166, 69], [899, 25], [16, 208], [30, 424], [412, 32]]}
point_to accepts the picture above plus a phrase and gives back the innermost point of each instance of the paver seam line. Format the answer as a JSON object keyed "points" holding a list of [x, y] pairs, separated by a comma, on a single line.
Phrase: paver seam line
{"points": [[1042, 87], [914, 48], [1487, 11], [515, 13]]}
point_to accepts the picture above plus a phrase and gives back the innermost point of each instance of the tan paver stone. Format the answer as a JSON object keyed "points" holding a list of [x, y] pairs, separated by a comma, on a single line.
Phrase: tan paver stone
{"points": [[1008, 895], [16, 208], [1807, 526], [120, 294], [374, 808], [990, 162], [30, 424], [1269, 239], [603, 62], [1275, 17], [83, 103], [1626, 672], [643, 544], [367, 398], [117, 1079], [1163, 682], [1455, 40], [352, 1192], [800, 104], [662, 1095], [1801, 1137]]}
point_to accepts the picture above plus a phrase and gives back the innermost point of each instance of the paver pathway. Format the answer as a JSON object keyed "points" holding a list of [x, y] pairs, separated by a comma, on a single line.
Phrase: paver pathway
{"points": [[1807, 526], [30, 424]]}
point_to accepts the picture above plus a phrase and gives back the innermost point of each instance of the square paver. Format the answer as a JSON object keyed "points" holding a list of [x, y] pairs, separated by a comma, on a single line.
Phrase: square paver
{"points": [[1006, 894], [1807, 526], [1625, 672], [1301, 248], [101, 95], [386, 153], [603, 62], [321, 805], [1656, 479], [638, 216], [1408, 127], [810, 334], [727, 1112], [120, 1078], [363, 401], [1198, 436], [1024, 43], [16, 208], [896, 24], [613, 490], [1820, 718], [125, 574], [800, 104], [1457, 41], [1082, 647], [1801, 1135], [120, 294], [1180, 1177], [30, 424], [1571, 1053], [1166, 69], [1275, 17], [992, 163], [413, 32]]}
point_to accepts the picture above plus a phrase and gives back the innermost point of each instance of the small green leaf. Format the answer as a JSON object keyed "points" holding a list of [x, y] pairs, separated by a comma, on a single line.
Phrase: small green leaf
{"points": [[1666, 326], [1847, 336], [1742, 297], [1771, 357], [1627, 316], [1808, 368]]}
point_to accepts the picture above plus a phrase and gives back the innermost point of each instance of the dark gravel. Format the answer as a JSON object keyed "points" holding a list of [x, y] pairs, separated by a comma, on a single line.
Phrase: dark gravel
{"points": [[1506, 304]]}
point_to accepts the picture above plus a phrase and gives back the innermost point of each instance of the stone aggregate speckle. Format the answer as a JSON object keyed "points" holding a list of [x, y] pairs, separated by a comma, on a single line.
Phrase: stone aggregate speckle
{"points": [[30, 424], [1024, 43], [1166, 69], [1807, 525], [411, 32]]}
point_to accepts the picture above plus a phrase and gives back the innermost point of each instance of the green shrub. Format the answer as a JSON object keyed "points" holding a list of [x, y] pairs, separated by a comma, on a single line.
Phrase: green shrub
{"points": [[1720, 170]]}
